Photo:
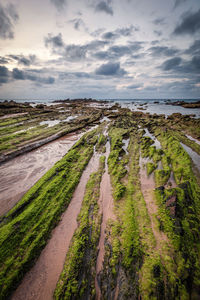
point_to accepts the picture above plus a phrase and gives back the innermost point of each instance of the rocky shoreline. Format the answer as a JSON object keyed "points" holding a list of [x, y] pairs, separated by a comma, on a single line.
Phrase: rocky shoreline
{"points": [[185, 104]]}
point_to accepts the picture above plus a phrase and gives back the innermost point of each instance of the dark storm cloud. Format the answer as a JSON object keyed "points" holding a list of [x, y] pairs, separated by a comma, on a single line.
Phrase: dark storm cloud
{"points": [[138, 56], [78, 24], [11, 9], [124, 31], [134, 86], [3, 60], [120, 50], [112, 53], [71, 75], [135, 46], [103, 55], [79, 52], [127, 31], [96, 44], [75, 52], [8, 17], [82, 75], [26, 75], [4, 74], [183, 68], [110, 35], [97, 32], [110, 69], [117, 51], [190, 68], [18, 74], [104, 6], [59, 4], [190, 24], [195, 64], [158, 32], [171, 64], [155, 42], [150, 88], [194, 49], [72, 52], [178, 2], [162, 50], [159, 21], [54, 41], [182, 86], [23, 60]]}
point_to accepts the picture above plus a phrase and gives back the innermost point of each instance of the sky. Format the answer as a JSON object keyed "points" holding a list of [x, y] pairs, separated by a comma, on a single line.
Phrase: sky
{"points": [[104, 49]]}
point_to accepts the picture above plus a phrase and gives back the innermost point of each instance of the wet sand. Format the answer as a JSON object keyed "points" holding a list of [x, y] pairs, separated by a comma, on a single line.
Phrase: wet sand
{"points": [[107, 210], [13, 115], [40, 282], [147, 182], [21, 173]]}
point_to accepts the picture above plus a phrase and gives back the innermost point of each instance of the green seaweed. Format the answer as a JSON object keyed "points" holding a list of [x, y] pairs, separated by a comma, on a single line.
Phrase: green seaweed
{"points": [[78, 275], [25, 229], [183, 225], [151, 167]]}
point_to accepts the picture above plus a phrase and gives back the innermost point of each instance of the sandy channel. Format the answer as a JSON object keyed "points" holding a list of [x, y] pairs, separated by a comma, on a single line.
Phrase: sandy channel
{"points": [[40, 282], [21, 173]]}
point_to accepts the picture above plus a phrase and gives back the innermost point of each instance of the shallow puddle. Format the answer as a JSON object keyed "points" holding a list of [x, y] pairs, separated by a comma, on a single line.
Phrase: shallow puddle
{"points": [[125, 146], [70, 118], [19, 174], [23, 130], [104, 119], [192, 139], [40, 282], [156, 142], [50, 123], [194, 156]]}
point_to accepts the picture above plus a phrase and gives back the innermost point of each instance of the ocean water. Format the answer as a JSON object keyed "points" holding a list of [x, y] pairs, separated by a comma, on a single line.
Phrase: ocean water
{"points": [[144, 105], [159, 108]]}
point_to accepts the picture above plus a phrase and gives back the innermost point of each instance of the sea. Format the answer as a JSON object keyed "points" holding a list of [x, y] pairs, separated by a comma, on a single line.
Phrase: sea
{"points": [[159, 106], [152, 106]]}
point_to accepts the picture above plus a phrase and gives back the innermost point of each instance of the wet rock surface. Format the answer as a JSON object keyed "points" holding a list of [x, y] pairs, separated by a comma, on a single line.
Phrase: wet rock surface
{"points": [[144, 270]]}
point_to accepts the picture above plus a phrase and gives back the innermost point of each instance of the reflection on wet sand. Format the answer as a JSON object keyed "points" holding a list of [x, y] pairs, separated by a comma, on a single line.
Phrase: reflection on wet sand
{"points": [[22, 172], [40, 282]]}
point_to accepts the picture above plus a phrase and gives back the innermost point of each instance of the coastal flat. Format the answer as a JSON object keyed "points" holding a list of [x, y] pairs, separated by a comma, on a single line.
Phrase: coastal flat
{"points": [[110, 210]]}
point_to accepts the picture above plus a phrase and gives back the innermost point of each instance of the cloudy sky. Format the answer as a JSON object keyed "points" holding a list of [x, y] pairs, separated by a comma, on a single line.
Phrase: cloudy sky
{"points": [[54, 49]]}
